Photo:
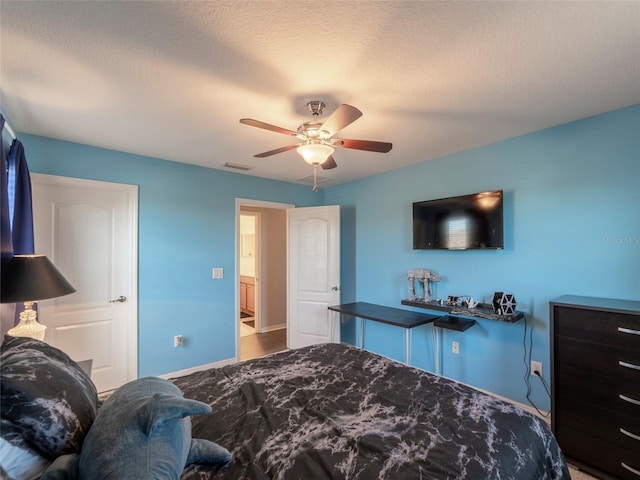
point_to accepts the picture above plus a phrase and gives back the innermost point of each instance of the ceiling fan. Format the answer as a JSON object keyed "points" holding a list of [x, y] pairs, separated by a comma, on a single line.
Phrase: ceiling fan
{"points": [[318, 141]]}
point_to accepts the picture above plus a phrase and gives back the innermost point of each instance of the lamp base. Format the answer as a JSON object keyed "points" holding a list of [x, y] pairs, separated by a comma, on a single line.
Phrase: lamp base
{"points": [[28, 325]]}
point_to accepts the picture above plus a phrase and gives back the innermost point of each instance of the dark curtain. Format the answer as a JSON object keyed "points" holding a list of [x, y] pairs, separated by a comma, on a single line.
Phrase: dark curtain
{"points": [[20, 207], [5, 226], [17, 213]]}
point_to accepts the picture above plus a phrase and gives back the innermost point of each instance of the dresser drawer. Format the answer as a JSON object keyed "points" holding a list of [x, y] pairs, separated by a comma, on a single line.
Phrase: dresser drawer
{"points": [[607, 360], [601, 455], [620, 329], [612, 426], [600, 390]]}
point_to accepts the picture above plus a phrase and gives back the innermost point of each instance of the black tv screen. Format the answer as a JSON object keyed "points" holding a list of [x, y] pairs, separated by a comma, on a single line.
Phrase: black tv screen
{"points": [[459, 223]]}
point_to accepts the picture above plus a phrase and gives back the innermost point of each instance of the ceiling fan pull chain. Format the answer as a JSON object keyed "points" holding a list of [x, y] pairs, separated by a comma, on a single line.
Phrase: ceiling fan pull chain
{"points": [[315, 177]]}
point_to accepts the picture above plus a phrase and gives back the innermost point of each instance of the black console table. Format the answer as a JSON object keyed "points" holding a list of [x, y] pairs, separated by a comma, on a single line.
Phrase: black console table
{"points": [[391, 316], [408, 319]]}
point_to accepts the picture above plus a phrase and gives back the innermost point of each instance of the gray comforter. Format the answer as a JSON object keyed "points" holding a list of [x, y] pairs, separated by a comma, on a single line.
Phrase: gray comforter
{"points": [[335, 412]]}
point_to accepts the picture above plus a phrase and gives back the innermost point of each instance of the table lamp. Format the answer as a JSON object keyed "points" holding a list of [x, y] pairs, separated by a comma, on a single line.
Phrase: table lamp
{"points": [[29, 278]]}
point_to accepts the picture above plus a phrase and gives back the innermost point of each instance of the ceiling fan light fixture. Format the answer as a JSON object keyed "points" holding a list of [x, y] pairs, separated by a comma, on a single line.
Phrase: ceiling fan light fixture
{"points": [[312, 131], [315, 153]]}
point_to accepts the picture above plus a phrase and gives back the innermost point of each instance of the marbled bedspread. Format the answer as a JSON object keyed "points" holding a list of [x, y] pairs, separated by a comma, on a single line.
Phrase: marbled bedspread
{"points": [[333, 411]]}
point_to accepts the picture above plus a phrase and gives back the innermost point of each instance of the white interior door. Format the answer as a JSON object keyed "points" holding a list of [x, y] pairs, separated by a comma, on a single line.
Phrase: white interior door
{"points": [[89, 231], [314, 275]]}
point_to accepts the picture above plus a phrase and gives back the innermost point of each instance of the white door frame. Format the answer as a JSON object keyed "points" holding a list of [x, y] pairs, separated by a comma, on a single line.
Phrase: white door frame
{"points": [[246, 202], [132, 296]]}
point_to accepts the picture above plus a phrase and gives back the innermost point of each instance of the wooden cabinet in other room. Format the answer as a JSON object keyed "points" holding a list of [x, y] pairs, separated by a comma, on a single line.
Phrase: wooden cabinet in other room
{"points": [[247, 294], [595, 384]]}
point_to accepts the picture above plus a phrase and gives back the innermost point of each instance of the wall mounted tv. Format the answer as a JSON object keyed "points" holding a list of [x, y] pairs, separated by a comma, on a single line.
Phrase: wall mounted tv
{"points": [[459, 223]]}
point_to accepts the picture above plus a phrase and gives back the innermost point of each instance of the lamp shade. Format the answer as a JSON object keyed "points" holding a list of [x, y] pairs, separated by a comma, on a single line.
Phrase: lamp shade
{"points": [[30, 278], [314, 153]]}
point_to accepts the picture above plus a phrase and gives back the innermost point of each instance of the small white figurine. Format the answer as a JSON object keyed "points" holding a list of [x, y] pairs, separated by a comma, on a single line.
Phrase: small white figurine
{"points": [[424, 277]]}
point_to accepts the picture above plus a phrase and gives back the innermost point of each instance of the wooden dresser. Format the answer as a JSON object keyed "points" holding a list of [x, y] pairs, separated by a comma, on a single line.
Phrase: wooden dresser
{"points": [[595, 384]]}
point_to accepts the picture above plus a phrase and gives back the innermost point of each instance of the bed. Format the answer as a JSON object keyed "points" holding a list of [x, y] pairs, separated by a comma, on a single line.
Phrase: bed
{"points": [[333, 411], [326, 411]]}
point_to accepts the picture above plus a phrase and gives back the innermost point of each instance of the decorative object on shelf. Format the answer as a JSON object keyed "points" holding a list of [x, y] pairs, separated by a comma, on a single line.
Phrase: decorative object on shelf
{"points": [[508, 304], [453, 301], [464, 301], [28, 278], [497, 297], [423, 278], [482, 310], [471, 303]]}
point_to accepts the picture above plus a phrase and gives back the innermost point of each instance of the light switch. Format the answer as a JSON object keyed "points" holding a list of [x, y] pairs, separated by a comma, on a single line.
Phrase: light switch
{"points": [[217, 273]]}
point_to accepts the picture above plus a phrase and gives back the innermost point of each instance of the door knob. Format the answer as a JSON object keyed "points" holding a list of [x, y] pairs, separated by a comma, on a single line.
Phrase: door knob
{"points": [[335, 288], [120, 299]]}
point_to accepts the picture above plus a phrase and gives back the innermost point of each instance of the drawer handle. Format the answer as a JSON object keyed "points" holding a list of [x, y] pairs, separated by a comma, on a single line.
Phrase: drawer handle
{"points": [[628, 330], [628, 365], [629, 399], [629, 434], [632, 470]]}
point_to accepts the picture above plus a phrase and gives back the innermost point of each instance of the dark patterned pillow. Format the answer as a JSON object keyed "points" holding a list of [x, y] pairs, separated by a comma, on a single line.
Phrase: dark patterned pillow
{"points": [[48, 402]]}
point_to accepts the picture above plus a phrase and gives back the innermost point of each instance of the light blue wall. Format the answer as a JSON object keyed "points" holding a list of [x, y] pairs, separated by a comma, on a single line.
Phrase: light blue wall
{"points": [[571, 218], [186, 227], [572, 226]]}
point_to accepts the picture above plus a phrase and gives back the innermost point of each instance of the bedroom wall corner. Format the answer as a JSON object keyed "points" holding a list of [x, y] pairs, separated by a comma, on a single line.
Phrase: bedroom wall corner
{"points": [[571, 203]]}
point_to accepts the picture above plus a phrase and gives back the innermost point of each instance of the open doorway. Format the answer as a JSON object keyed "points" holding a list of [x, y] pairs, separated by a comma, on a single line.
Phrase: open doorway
{"points": [[249, 225], [262, 279]]}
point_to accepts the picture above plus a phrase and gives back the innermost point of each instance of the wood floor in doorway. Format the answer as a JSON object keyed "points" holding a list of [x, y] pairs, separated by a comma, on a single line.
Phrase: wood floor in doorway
{"points": [[260, 344]]}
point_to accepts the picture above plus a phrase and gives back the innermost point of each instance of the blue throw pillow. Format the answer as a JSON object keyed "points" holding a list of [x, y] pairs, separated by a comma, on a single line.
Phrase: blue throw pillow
{"points": [[142, 431], [48, 404]]}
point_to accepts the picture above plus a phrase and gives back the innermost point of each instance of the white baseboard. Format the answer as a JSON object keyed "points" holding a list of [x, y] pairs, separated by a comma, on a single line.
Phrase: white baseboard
{"points": [[221, 363], [199, 368], [272, 328], [523, 406]]}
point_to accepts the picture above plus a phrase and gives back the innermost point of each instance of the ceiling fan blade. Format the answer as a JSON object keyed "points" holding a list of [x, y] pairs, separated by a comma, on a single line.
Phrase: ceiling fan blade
{"points": [[343, 116], [329, 163], [368, 145], [276, 151], [267, 126]]}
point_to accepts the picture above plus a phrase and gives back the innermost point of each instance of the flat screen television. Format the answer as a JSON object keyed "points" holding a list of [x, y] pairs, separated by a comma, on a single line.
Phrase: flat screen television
{"points": [[459, 223]]}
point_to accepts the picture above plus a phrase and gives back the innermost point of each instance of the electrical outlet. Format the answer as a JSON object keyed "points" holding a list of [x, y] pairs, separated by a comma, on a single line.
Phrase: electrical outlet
{"points": [[455, 347], [536, 367], [177, 341]]}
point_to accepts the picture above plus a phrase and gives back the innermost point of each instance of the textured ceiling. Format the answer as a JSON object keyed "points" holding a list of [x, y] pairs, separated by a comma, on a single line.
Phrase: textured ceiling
{"points": [[171, 79]]}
